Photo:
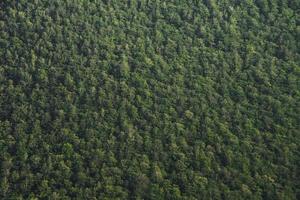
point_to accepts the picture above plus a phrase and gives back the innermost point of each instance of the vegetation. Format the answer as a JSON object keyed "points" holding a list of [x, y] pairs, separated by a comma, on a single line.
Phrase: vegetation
{"points": [[149, 99]]}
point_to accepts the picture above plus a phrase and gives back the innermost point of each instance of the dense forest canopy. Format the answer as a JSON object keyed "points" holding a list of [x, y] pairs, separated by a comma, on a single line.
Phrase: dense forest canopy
{"points": [[150, 99]]}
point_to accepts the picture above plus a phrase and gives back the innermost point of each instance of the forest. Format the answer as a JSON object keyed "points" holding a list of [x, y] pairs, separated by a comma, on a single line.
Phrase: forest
{"points": [[150, 99]]}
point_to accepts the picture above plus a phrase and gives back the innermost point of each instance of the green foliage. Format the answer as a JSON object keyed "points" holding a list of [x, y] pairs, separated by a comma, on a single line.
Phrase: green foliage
{"points": [[149, 99]]}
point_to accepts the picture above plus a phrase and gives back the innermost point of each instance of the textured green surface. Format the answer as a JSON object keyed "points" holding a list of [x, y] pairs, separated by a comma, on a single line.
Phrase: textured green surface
{"points": [[149, 99]]}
